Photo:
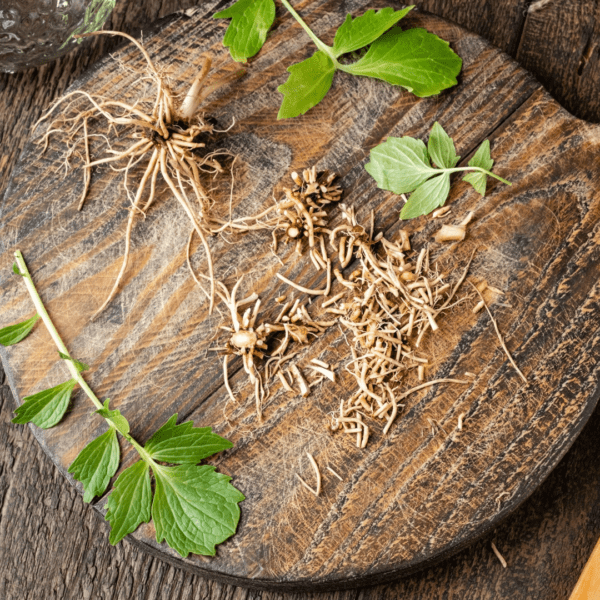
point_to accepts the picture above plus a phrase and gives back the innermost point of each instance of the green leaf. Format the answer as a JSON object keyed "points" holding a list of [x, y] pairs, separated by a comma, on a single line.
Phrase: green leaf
{"points": [[441, 148], [115, 416], [130, 501], [15, 333], [16, 270], [427, 197], [400, 164], [194, 508], [184, 444], [96, 464], [358, 33], [250, 23], [417, 60], [45, 409], [483, 160], [307, 85], [81, 366]]}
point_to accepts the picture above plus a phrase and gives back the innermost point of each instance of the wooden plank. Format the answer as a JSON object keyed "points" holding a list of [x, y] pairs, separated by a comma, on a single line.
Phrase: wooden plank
{"points": [[561, 44]]}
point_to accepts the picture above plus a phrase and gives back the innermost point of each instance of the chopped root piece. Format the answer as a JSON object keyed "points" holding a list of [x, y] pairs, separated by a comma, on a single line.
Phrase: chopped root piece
{"points": [[304, 388], [438, 213], [500, 338], [306, 485], [325, 372], [313, 462], [285, 383], [324, 292], [320, 363], [334, 473], [451, 233], [499, 556]]}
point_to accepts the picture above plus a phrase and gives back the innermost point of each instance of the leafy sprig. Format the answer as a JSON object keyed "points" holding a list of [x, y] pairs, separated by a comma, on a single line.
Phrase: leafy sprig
{"points": [[415, 59], [403, 165], [193, 507]]}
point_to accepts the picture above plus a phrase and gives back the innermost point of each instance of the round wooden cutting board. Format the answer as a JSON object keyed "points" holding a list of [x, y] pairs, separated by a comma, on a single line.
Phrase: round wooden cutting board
{"points": [[426, 489]]}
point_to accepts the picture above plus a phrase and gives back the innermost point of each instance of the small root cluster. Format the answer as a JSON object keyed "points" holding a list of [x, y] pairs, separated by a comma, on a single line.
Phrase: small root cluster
{"points": [[165, 138]]}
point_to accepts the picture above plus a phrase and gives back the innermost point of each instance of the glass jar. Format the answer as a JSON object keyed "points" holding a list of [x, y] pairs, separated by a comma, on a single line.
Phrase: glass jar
{"points": [[33, 32]]}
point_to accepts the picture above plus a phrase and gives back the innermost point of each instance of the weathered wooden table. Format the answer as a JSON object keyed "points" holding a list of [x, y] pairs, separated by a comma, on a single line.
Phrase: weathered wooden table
{"points": [[53, 546]]}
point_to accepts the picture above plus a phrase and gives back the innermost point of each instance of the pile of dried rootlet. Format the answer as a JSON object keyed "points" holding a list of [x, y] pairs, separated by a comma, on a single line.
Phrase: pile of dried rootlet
{"points": [[389, 301]]}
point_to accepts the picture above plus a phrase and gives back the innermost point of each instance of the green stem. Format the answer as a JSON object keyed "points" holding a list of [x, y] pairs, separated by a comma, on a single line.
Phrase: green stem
{"points": [[457, 169], [43, 313], [320, 45]]}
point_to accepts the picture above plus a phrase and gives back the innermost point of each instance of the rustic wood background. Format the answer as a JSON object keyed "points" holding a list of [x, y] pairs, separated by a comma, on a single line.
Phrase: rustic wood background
{"points": [[546, 542]]}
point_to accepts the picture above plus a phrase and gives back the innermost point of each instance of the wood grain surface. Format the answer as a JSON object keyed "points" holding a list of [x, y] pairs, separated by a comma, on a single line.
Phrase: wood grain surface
{"points": [[180, 584]]}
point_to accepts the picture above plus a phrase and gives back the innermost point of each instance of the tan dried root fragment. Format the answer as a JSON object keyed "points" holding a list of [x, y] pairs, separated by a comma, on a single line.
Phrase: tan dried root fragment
{"points": [[316, 490], [165, 134], [499, 335]]}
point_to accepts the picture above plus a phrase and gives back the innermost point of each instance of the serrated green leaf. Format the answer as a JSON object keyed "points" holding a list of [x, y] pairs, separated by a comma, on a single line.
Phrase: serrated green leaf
{"points": [[441, 148], [45, 409], [194, 508], [250, 23], [415, 59], [184, 443], [483, 160], [115, 416], [96, 464], [427, 197], [400, 164], [13, 334], [16, 270], [81, 366], [307, 85], [360, 32], [130, 501]]}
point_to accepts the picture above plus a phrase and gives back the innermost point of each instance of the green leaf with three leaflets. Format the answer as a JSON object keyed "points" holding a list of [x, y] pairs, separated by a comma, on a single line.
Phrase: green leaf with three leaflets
{"points": [[184, 443], [357, 33], [415, 59], [96, 464], [307, 85], [194, 508], [13, 334], [403, 165], [250, 23], [129, 503], [45, 409], [483, 160]]}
